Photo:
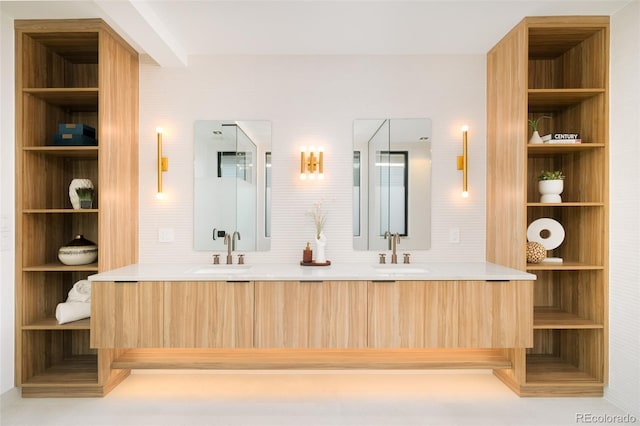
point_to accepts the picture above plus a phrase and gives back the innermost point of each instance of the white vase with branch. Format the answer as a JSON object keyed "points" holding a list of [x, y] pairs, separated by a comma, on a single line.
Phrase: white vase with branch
{"points": [[319, 217]]}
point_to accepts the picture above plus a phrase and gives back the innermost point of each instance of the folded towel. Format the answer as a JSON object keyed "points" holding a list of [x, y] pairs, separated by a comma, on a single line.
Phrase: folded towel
{"points": [[72, 311], [81, 292]]}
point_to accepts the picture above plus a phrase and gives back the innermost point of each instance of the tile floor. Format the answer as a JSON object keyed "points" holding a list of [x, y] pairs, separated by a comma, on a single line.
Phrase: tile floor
{"points": [[304, 398]]}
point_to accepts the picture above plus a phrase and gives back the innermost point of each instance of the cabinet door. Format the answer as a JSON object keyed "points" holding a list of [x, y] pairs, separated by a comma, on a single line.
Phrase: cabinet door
{"points": [[208, 314], [496, 314], [319, 314], [413, 314], [126, 315]]}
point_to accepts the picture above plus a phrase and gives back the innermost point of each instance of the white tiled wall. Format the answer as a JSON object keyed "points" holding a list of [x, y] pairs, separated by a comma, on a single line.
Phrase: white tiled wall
{"points": [[313, 100]]}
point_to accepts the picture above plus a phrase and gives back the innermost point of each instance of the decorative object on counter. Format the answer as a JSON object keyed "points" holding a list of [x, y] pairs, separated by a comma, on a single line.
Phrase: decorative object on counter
{"points": [[550, 186], [314, 263], [73, 193], [548, 232], [463, 163], [535, 137], [78, 251], [70, 134], [86, 197], [307, 254], [163, 164], [319, 216], [78, 303], [536, 252]]}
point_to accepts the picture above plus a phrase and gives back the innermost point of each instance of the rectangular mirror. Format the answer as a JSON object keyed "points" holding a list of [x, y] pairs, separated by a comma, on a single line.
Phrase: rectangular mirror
{"points": [[232, 184], [392, 182]]}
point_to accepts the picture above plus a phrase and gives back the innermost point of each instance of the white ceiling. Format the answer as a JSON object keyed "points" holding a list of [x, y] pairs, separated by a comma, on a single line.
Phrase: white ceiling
{"points": [[171, 30]]}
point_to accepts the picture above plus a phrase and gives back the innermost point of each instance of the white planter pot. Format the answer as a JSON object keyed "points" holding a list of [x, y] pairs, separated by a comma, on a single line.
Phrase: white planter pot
{"points": [[73, 195], [535, 138], [550, 190]]}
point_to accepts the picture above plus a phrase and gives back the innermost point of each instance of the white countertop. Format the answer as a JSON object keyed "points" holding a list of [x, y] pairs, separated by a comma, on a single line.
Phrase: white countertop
{"points": [[454, 271]]}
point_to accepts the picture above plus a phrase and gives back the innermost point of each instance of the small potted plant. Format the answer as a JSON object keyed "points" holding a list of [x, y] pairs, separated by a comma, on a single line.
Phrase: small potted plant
{"points": [[86, 197], [535, 138], [550, 185]]}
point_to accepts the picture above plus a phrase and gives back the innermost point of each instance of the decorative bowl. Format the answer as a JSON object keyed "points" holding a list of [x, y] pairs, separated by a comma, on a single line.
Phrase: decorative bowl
{"points": [[78, 251]]}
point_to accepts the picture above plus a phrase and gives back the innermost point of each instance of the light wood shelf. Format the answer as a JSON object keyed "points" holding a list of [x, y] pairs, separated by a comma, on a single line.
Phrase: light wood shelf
{"points": [[545, 100], [52, 324], [60, 267], [550, 369], [564, 266], [553, 318], [555, 149], [85, 99], [80, 152]]}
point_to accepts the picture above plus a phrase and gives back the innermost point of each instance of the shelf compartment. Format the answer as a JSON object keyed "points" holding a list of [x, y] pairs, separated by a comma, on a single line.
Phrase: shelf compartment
{"points": [[60, 267], [47, 179], [44, 234], [564, 266], [567, 299], [56, 357], [568, 56], [566, 356], [570, 111], [75, 152], [56, 106], [41, 292], [61, 58], [585, 237]]}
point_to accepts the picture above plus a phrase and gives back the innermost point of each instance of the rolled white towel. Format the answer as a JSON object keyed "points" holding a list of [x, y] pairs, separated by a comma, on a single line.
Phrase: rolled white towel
{"points": [[80, 292], [72, 311]]}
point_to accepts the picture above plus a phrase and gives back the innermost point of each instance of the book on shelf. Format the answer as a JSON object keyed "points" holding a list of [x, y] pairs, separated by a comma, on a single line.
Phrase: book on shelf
{"points": [[562, 138]]}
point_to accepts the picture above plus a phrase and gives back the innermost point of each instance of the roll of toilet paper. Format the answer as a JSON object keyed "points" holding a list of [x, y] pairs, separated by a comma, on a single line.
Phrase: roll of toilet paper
{"points": [[551, 228]]}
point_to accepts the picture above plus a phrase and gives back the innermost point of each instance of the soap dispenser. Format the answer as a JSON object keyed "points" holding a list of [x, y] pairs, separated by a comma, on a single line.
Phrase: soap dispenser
{"points": [[307, 254]]}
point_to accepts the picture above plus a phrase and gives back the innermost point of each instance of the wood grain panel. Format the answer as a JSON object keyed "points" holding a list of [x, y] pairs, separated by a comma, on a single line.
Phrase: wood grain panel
{"points": [[127, 315], [413, 314], [208, 314], [324, 314]]}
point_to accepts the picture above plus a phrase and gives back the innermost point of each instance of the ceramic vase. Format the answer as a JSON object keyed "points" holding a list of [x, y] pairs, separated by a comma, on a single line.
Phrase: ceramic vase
{"points": [[321, 244], [73, 195], [535, 138], [550, 190], [78, 251]]}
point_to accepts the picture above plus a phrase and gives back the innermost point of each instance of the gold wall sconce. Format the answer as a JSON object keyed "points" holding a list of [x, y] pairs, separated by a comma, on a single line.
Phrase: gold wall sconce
{"points": [[311, 163], [462, 162], [163, 164]]}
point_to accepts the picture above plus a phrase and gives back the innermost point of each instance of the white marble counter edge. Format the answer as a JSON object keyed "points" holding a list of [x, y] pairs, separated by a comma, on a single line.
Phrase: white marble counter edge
{"points": [[454, 271]]}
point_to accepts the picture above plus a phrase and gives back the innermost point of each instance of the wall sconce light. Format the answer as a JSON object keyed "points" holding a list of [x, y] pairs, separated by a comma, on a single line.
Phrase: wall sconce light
{"points": [[311, 163], [462, 162], [163, 164]]}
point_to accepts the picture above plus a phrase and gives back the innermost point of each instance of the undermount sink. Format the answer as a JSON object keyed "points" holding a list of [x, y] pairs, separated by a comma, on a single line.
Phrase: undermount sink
{"points": [[220, 269], [400, 269]]}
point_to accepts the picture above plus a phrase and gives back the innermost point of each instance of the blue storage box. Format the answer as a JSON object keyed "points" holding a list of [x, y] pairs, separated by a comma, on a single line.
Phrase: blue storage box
{"points": [[68, 139], [76, 129]]}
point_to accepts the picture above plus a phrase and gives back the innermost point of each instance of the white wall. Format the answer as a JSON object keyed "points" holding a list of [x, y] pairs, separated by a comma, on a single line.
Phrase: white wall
{"points": [[624, 278], [313, 100], [6, 203]]}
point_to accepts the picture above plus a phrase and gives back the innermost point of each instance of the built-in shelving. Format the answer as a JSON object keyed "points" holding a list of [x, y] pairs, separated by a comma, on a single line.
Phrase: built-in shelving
{"points": [[57, 67], [565, 78]]}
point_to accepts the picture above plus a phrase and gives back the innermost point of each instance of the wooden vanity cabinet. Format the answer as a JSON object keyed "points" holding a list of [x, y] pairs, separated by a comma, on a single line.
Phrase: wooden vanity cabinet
{"points": [[200, 314], [127, 315], [450, 314], [204, 314], [310, 314]]}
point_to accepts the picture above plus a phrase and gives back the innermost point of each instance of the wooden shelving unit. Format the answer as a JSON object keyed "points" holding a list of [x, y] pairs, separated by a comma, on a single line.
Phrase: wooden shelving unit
{"points": [[558, 67], [70, 71]]}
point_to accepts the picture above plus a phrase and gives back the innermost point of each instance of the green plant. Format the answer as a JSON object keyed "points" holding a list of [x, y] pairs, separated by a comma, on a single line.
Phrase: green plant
{"points": [[534, 123], [548, 175], [85, 193]]}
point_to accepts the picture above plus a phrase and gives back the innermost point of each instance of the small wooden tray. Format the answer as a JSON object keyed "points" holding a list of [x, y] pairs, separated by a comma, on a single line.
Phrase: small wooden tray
{"points": [[314, 263]]}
